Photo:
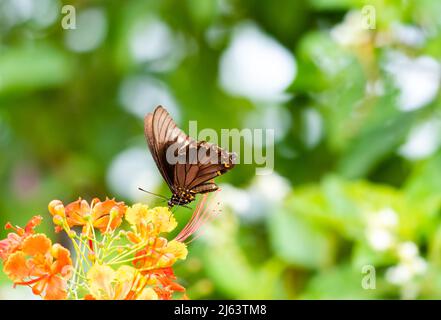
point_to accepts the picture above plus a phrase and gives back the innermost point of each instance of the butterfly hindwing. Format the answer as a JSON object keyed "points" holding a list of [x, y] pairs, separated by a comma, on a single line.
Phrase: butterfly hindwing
{"points": [[212, 161]]}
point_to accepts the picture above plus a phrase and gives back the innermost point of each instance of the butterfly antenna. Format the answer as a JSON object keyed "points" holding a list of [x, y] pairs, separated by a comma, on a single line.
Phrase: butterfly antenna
{"points": [[154, 194]]}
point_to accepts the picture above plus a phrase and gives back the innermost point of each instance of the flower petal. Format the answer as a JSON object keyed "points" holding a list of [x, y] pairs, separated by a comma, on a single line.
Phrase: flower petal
{"points": [[163, 219], [100, 280], [76, 211], [148, 294], [178, 249], [36, 244], [63, 264], [135, 213], [56, 288], [15, 266]]}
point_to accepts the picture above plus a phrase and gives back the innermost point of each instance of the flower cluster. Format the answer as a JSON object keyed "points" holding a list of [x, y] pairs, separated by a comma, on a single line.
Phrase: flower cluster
{"points": [[31, 259], [109, 262]]}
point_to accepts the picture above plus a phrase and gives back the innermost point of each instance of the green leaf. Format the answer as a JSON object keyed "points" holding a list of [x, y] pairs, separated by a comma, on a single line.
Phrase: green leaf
{"points": [[299, 242], [424, 185], [343, 282], [33, 67], [374, 144]]}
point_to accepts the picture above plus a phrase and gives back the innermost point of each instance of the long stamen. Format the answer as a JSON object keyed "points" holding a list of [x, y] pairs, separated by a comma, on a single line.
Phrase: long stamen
{"points": [[27, 283], [193, 219], [19, 231], [185, 232], [207, 217], [201, 215]]}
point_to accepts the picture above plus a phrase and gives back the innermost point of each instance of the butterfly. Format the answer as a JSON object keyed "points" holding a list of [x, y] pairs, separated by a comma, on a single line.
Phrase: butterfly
{"points": [[187, 166]]}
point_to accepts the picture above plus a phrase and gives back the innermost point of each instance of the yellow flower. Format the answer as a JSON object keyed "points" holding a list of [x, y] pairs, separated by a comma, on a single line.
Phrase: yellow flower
{"points": [[100, 282], [148, 222], [173, 251], [124, 284], [136, 212]]}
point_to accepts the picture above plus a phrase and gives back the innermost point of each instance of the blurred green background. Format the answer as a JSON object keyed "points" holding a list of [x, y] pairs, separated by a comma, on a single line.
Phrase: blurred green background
{"points": [[356, 113]]}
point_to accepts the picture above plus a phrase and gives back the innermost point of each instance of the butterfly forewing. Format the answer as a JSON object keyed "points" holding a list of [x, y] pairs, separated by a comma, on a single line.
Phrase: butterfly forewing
{"points": [[161, 132]]}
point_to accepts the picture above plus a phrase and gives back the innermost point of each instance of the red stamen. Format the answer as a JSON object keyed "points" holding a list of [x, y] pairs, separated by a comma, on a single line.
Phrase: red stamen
{"points": [[201, 215], [17, 230], [27, 283]]}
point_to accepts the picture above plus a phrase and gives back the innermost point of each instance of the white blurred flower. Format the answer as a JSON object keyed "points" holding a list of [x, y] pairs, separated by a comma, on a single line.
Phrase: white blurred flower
{"points": [[90, 32], [256, 66], [408, 34], [42, 13], [141, 94], [313, 131], [273, 188], [406, 270], [380, 239], [419, 265], [151, 40], [407, 250], [417, 79], [257, 200], [237, 199], [380, 231], [131, 169], [399, 274], [423, 140], [386, 218], [350, 31], [409, 266]]}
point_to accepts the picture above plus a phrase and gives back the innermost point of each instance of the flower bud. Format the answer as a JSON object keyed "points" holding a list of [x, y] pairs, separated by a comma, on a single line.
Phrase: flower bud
{"points": [[58, 220], [56, 207]]}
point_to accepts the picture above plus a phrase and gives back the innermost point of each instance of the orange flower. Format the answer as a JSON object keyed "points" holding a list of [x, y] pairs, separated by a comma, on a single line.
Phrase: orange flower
{"points": [[42, 266], [14, 241], [164, 281], [103, 215]]}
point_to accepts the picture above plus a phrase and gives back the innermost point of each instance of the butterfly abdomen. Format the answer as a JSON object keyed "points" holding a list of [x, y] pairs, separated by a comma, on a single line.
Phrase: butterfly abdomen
{"points": [[206, 187]]}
